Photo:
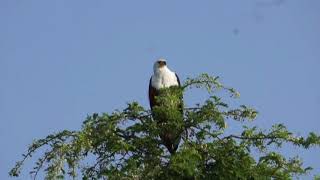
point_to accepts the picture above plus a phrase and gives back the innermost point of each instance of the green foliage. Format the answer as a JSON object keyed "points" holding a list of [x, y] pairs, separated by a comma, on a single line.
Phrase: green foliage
{"points": [[126, 144]]}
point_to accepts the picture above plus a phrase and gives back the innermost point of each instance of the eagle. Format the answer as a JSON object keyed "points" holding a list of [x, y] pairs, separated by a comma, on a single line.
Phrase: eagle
{"points": [[165, 97]]}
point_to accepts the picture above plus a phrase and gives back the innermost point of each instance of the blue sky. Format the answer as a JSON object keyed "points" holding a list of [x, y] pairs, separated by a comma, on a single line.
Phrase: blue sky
{"points": [[62, 60]]}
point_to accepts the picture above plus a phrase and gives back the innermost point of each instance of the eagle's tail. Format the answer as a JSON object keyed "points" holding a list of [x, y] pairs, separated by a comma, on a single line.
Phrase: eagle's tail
{"points": [[171, 140]]}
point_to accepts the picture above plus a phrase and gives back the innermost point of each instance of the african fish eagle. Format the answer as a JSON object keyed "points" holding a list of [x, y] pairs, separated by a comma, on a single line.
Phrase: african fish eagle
{"points": [[164, 78]]}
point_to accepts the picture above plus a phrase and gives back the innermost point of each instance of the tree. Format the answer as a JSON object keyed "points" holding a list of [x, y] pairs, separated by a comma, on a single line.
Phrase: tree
{"points": [[126, 144]]}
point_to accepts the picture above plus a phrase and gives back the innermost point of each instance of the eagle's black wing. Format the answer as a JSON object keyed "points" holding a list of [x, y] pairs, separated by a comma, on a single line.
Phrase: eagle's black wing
{"points": [[181, 98], [178, 79], [152, 94]]}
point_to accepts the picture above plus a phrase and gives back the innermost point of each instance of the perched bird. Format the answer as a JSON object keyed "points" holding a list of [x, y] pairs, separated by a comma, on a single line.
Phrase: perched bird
{"points": [[165, 97]]}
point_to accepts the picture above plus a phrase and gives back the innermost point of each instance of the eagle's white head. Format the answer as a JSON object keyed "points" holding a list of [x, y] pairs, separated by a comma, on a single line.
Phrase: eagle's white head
{"points": [[163, 76], [159, 65]]}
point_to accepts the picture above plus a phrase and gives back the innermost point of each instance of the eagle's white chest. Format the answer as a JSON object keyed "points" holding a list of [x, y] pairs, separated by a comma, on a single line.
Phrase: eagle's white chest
{"points": [[163, 79]]}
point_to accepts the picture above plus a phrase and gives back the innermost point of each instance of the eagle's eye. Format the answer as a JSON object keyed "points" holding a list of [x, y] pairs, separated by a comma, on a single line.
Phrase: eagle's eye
{"points": [[162, 63]]}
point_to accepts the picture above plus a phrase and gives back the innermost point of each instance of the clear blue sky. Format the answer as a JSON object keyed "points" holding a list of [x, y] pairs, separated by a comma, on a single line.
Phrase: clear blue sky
{"points": [[61, 60]]}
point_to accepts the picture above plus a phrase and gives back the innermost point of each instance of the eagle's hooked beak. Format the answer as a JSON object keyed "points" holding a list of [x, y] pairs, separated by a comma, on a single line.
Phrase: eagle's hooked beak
{"points": [[162, 63]]}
